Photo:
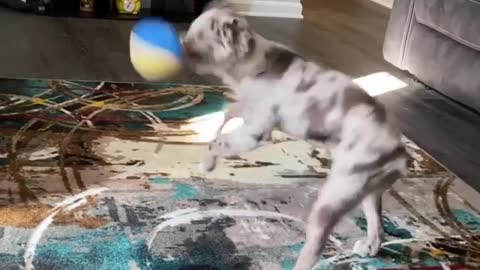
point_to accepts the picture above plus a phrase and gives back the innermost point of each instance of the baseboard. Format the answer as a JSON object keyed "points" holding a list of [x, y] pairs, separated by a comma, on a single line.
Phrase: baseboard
{"points": [[269, 8], [385, 3]]}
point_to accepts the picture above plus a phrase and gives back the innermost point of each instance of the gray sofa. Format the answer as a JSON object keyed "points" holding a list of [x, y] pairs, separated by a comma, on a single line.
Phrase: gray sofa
{"points": [[438, 41]]}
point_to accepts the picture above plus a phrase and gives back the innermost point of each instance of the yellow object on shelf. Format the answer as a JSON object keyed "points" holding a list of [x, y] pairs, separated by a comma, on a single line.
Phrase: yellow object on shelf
{"points": [[87, 5], [129, 6]]}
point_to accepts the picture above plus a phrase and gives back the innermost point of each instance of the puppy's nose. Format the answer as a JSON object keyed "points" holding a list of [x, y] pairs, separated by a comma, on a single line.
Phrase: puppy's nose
{"points": [[187, 47], [190, 51]]}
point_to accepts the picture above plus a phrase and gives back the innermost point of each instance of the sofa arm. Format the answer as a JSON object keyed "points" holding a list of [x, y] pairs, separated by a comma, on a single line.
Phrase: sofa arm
{"points": [[398, 29]]}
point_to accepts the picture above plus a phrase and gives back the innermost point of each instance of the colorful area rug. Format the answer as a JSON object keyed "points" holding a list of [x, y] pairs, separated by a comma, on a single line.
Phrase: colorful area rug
{"points": [[104, 176]]}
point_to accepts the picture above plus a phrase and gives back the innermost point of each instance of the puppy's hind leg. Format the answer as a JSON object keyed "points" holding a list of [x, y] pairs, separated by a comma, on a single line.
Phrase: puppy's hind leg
{"points": [[372, 208], [342, 192]]}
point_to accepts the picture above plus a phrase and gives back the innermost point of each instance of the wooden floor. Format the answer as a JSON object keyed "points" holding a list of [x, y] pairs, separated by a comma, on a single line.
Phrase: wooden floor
{"points": [[348, 34], [444, 129], [344, 34]]}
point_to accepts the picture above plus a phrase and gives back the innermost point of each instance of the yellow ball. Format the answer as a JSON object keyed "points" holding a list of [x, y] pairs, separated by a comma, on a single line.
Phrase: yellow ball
{"points": [[155, 49]]}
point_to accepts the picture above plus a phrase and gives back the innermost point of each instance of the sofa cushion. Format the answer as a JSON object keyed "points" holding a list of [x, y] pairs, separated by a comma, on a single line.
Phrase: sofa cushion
{"points": [[444, 64], [458, 19], [438, 41]]}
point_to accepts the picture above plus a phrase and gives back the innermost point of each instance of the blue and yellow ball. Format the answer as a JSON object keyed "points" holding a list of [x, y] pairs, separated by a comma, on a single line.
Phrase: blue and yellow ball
{"points": [[155, 49]]}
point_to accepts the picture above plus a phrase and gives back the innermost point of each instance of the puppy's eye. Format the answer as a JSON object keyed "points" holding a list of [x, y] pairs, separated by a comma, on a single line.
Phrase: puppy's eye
{"points": [[201, 35], [235, 22]]}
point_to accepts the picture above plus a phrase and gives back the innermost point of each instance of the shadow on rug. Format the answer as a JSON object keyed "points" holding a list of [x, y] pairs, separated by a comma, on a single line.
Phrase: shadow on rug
{"points": [[104, 176]]}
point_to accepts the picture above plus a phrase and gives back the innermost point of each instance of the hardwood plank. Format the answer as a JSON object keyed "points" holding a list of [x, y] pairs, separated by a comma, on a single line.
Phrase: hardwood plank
{"points": [[350, 34], [446, 130]]}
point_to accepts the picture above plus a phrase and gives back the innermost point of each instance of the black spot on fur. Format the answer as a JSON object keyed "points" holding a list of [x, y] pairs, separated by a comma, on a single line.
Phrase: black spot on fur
{"points": [[252, 44], [227, 27], [235, 36], [305, 84], [381, 160], [278, 120], [332, 77], [258, 137], [354, 96], [233, 32], [316, 114], [317, 136], [275, 109], [212, 25], [278, 61], [332, 136]]}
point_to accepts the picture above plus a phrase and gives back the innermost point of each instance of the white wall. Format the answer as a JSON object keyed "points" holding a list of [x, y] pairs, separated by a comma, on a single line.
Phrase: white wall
{"points": [[385, 3], [269, 8]]}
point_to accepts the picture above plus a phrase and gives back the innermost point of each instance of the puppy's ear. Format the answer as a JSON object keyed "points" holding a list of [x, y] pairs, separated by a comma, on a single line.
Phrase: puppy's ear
{"points": [[239, 36], [220, 4]]}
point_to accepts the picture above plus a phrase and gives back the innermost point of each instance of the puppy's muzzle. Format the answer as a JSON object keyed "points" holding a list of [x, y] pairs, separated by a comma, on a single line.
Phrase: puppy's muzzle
{"points": [[191, 53]]}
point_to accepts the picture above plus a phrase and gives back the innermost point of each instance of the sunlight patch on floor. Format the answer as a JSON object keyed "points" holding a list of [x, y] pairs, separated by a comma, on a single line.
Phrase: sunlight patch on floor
{"points": [[380, 83]]}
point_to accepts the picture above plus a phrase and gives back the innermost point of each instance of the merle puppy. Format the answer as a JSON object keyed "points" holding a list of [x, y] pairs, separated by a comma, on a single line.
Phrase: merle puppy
{"points": [[277, 89]]}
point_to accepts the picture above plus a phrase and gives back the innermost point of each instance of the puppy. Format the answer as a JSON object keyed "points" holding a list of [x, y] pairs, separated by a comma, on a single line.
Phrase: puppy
{"points": [[278, 89]]}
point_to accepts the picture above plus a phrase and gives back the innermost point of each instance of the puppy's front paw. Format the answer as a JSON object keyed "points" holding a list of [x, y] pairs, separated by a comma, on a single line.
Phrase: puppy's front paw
{"points": [[365, 248], [208, 165]]}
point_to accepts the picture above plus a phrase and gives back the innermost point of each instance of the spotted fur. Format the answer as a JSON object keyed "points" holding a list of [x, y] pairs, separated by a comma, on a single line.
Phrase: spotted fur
{"points": [[278, 89]]}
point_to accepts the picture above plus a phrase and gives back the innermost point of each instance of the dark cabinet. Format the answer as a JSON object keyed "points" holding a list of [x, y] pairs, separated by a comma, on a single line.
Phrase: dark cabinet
{"points": [[172, 10]]}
